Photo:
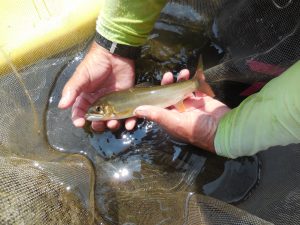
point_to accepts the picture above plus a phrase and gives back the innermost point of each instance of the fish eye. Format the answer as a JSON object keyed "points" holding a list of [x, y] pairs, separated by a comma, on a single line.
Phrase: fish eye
{"points": [[98, 109]]}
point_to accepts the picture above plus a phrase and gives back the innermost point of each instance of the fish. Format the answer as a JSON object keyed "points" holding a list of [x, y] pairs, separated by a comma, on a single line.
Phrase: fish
{"points": [[121, 104]]}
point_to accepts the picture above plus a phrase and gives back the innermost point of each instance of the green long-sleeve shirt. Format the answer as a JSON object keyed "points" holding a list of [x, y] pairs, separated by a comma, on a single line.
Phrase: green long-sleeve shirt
{"points": [[268, 118], [128, 22]]}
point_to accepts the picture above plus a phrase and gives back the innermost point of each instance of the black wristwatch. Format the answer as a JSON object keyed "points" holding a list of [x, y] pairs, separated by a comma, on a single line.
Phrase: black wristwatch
{"points": [[126, 51]]}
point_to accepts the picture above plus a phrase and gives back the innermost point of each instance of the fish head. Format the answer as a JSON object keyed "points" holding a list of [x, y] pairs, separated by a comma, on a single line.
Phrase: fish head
{"points": [[100, 112]]}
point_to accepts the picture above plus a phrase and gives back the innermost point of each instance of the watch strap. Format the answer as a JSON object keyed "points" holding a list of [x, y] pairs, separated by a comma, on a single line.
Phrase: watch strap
{"points": [[126, 51]]}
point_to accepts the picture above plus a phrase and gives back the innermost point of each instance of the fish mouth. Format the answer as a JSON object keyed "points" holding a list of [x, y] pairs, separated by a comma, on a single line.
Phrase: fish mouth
{"points": [[93, 117]]}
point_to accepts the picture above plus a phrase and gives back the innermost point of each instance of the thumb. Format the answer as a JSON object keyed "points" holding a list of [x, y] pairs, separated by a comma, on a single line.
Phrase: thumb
{"points": [[82, 80], [74, 86], [88, 76], [68, 98], [163, 117]]}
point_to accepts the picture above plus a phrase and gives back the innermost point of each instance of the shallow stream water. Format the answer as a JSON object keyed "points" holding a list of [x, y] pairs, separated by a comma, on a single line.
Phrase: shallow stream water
{"points": [[129, 164]]}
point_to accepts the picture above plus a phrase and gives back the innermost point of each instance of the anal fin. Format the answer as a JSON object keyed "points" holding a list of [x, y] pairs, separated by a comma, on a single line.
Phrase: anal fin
{"points": [[180, 106]]}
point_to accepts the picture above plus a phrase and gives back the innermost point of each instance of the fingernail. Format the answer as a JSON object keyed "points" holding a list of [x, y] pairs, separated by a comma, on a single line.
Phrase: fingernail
{"points": [[62, 102], [64, 99]]}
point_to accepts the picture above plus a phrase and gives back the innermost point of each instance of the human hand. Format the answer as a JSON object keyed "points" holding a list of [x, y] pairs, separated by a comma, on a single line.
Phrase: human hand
{"points": [[197, 125], [99, 73]]}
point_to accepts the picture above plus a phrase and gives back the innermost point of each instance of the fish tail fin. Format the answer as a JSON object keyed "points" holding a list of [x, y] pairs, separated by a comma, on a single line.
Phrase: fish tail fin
{"points": [[202, 85]]}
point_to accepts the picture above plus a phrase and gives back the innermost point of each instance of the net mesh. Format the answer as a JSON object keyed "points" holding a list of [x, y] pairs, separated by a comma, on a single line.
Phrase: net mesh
{"points": [[37, 192], [53, 174]]}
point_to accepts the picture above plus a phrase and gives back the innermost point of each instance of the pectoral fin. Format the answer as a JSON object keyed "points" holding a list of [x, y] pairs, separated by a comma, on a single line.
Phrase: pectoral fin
{"points": [[180, 106]]}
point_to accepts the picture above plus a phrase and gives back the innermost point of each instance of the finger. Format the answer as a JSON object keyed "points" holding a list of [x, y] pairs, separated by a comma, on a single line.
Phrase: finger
{"points": [[79, 109], [98, 126], [82, 102], [163, 117], [113, 124], [78, 117], [130, 123], [167, 78], [194, 103], [74, 87], [86, 78], [87, 99], [200, 94], [183, 75], [92, 97]]}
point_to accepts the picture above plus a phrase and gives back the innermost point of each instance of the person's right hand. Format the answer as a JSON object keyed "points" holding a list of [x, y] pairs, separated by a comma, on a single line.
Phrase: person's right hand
{"points": [[99, 73]]}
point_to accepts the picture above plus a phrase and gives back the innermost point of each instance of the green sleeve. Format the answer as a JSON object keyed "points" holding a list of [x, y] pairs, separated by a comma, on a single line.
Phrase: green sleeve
{"points": [[268, 118], [128, 22]]}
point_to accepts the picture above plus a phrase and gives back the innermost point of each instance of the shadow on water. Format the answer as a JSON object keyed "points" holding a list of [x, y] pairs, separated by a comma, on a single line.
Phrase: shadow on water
{"points": [[147, 159]]}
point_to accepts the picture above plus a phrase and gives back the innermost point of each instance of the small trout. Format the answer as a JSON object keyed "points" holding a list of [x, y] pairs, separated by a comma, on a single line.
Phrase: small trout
{"points": [[121, 104]]}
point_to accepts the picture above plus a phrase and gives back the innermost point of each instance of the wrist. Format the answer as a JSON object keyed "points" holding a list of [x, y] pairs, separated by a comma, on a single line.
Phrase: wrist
{"points": [[201, 133], [209, 145], [220, 135], [125, 51], [101, 57], [100, 51], [218, 115]]}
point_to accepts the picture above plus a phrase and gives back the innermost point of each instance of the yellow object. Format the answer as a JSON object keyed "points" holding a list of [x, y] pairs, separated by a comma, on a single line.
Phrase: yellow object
{"points": [[35, 29]]}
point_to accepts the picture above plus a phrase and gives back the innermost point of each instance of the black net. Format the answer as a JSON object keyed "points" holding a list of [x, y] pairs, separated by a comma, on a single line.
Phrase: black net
{"points": [[52, 173]]}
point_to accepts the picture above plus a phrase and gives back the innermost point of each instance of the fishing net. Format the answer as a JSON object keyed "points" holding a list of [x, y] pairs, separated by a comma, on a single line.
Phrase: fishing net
{"points": [[52, 173]]}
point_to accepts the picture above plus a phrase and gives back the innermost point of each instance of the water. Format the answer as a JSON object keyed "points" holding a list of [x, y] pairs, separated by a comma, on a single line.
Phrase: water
{"points": [[146, 164]]}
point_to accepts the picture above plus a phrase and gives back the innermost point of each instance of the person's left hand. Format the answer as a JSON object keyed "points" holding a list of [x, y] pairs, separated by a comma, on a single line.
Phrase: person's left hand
{"points": [[197, 125]]}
